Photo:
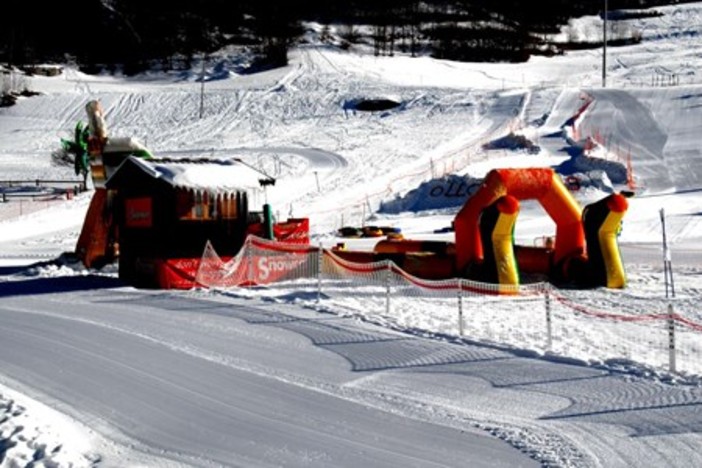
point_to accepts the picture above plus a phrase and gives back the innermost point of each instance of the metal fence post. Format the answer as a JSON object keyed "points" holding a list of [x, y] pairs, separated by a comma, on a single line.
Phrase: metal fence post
{"points": [[549, 326], [387, 288], [460, 306], [671, 339], [320, 257], [667, 263]]}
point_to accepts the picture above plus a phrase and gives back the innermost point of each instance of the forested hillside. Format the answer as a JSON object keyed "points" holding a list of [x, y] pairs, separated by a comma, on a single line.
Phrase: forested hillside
{"points": [[134, 34]]}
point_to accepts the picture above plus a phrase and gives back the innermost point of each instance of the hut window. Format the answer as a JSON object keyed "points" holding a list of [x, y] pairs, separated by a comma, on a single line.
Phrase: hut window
{"points": [[200, 208], [184, 203], [227, 207], [195, 206]]}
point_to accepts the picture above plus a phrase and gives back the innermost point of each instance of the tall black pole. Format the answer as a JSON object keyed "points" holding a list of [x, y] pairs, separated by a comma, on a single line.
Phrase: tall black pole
{"points": [[667, 261], [202, 86]]}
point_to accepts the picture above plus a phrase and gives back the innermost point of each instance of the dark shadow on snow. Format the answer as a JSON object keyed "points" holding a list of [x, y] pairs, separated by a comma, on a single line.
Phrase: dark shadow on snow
{"points": [[371, 105], [382, 105], [652, 417], [60, 284]]}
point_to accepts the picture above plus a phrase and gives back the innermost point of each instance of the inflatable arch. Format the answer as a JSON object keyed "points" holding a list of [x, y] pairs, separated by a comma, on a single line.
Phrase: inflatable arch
{"points": [[487, 222], [541, 184]]}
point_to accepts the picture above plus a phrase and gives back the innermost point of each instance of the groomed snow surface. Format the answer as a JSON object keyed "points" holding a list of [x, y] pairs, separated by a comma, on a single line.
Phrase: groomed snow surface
{"points": [[96, 373]]}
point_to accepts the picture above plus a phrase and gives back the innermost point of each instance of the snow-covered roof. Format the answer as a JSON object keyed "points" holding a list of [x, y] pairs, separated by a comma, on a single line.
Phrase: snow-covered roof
{"points": [[217, 176]]}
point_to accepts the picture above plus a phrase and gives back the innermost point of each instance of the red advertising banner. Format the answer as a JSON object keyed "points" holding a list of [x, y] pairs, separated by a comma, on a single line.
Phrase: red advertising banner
{"points": [[295, 231], [176, 273], [256, 266], [292, 231]]}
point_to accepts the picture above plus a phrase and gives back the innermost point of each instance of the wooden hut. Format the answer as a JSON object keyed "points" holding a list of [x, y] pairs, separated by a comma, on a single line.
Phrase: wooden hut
{"points": [[165, 211]]}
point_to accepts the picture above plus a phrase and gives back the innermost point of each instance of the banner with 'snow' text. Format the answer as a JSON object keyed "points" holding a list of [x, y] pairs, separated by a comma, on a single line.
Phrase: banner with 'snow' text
{"points": [[259, 262]]}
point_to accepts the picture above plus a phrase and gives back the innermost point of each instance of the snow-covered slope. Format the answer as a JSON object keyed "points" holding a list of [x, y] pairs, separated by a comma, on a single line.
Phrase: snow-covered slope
{"points": [[163, 378]]}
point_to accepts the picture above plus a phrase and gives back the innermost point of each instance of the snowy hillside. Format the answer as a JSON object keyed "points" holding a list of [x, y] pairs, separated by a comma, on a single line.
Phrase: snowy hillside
{"points": [[95, 373]]}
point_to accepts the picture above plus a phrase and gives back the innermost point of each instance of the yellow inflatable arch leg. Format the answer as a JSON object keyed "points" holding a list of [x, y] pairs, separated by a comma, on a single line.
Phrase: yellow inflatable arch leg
{"points": [[602, 221], [497, 233]]}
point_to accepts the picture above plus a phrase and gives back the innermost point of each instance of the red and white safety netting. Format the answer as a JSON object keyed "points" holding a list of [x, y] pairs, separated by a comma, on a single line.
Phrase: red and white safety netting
{"points": [[597, 325]]}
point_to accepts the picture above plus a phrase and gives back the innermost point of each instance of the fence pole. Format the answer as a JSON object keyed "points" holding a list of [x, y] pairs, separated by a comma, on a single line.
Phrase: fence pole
{"points": [[387, 288], [249, 258], [547, 305], [671, 339], [667, 262], [320, 257], [460, 306]]}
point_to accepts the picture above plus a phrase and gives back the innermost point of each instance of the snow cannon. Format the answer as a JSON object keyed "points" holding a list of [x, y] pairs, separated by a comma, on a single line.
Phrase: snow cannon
{"points": [[602, 222]]}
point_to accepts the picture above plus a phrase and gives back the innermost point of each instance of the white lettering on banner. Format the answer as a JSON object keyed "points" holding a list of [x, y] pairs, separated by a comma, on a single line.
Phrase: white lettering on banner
{"points": [[301, 235], [268, 265], [189, 264]]}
